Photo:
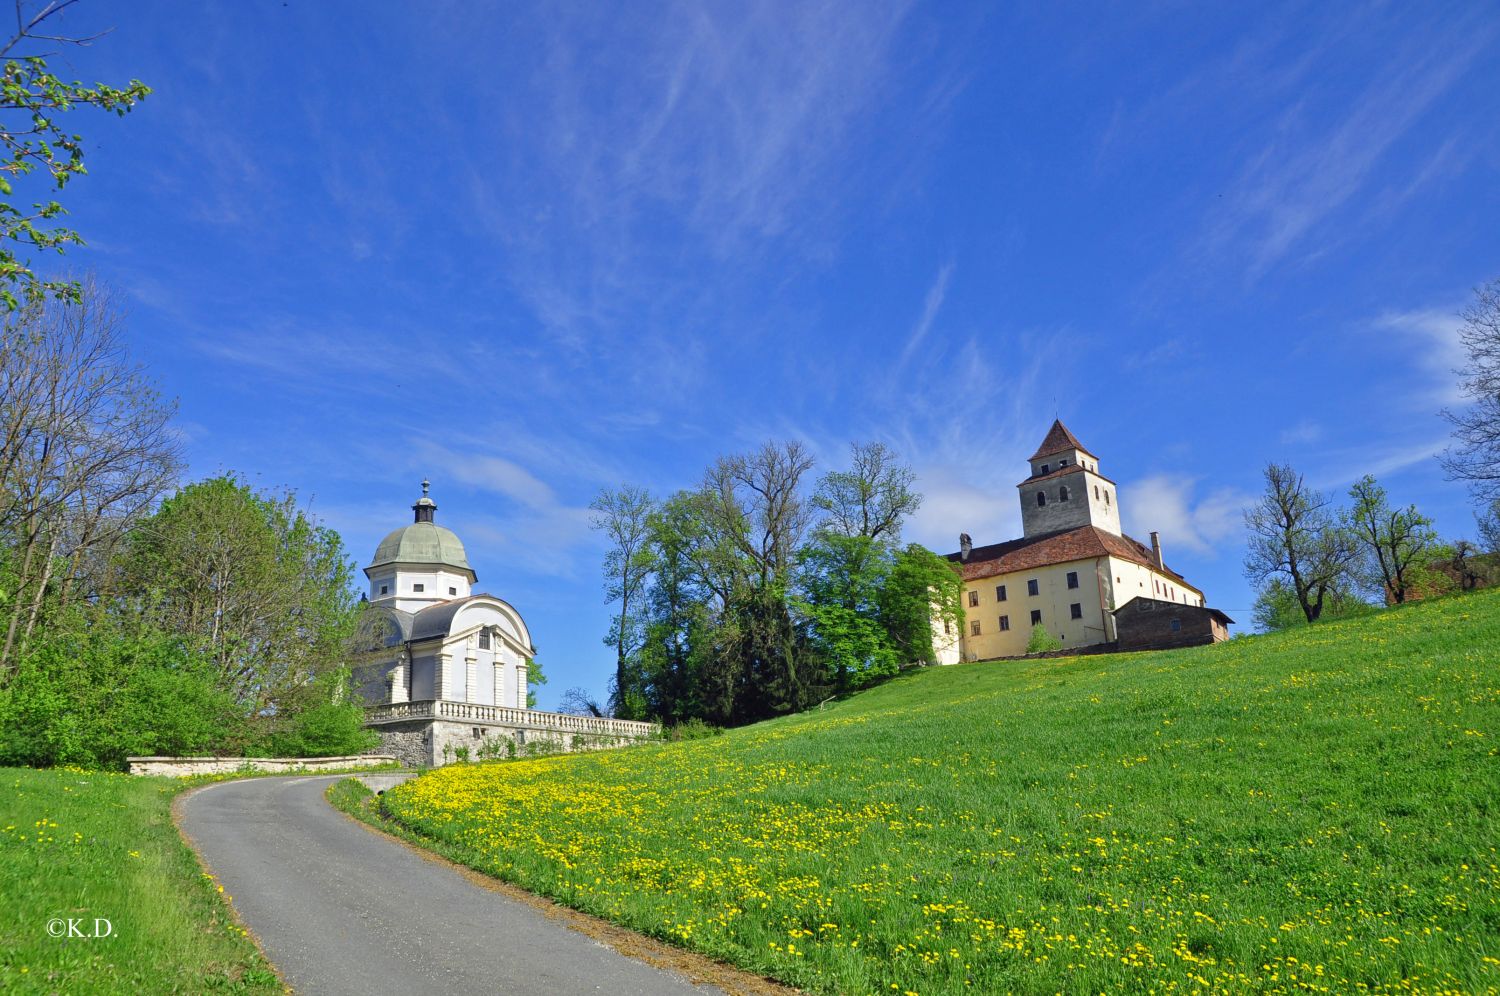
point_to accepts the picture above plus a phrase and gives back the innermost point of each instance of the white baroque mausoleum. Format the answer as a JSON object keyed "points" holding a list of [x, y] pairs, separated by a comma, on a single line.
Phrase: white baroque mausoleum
{"points": [[442, 670]]}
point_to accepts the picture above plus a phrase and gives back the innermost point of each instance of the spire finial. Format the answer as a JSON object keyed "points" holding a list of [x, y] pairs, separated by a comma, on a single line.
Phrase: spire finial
{"points": [[425, 485], [424, 506]]}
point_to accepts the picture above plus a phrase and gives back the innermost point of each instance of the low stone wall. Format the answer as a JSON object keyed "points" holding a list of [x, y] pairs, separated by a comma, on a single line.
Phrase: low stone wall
{"points": [[433, 732], [179, 767]]}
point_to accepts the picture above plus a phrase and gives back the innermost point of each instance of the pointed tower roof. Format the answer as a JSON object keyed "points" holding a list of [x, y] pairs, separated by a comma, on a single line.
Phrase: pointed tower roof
{"points": [[1059, 440]]}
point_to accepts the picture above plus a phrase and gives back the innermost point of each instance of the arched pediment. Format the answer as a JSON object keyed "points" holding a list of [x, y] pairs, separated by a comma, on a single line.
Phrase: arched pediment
{"points": [[450, 618]]}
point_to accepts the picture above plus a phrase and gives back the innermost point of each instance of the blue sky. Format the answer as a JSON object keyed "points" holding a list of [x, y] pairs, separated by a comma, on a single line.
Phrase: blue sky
{"points": [[533, 251]]}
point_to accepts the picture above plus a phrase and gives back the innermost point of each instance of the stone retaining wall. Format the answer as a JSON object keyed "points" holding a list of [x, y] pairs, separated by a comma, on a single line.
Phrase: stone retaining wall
{"points": [[178, 767]]}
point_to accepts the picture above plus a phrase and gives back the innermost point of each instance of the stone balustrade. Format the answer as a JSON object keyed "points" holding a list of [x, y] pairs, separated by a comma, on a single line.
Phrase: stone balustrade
{"points": [[528, 719]]}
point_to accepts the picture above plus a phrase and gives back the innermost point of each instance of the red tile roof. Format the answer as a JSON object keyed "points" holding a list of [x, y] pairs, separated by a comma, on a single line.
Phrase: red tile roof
{"points": [[1059, 440], [1083, 543]]}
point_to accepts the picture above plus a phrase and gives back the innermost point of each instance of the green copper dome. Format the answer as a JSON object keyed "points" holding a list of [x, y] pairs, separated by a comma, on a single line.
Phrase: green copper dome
{"points": [[422, 542]]}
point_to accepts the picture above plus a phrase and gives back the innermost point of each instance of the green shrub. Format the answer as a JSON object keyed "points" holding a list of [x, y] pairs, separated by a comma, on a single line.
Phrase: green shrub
{"points": [[1042, 641], [328, 729]]}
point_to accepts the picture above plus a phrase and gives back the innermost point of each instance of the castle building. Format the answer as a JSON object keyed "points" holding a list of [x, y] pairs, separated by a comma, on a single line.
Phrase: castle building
{"points": [[1071, 570], [442, 670]]}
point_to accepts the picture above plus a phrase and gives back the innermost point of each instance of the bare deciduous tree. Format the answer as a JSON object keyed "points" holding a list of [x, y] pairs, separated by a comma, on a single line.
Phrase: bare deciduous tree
{"points": [[1393, 540], [1294, 535], [1475, 455], [624, 517], [873, 498], [85, 449]]}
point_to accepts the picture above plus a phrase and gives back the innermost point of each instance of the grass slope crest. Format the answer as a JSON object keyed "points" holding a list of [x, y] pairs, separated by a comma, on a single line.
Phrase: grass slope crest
{"points": [[1313, 811]]}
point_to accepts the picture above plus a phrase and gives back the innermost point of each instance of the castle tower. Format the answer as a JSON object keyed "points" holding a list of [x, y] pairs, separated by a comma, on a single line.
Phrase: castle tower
{"points": [[1065, 490]]}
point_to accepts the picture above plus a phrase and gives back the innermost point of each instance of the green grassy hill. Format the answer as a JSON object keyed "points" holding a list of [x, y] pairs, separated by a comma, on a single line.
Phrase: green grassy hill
{"points": [[1317, 810]]}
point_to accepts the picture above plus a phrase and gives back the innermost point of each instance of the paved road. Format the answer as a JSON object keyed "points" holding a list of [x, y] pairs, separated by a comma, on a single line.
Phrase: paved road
{"points": [[342, 910]]}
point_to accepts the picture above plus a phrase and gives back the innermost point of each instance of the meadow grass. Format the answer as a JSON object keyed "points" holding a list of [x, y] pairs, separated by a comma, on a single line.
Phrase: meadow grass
{"points": [[1311, 811], [90, 844]]}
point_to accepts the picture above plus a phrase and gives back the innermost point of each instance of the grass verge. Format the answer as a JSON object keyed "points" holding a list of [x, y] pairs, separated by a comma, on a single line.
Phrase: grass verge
{"points": [[91, 845], [1309, 811]]}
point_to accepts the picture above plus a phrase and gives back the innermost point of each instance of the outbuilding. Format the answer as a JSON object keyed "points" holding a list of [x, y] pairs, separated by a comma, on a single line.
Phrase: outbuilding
{"points": [[1145, 623]]}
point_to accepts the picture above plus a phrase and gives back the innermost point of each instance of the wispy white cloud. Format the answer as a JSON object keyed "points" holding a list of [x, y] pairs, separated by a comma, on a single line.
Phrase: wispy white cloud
{"points": [[1301, 176], [1169, 504], [1303, 433], [1428, 340], [931, 305]]}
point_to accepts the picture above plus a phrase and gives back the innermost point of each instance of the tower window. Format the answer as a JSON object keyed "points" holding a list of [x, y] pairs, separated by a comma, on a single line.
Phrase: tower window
{"points": [[1046, 468], [999, 592], [974, 628], [1062, 493], [1075, 611], [1106, 497], [1036, 616], [419, 586], [1004, 623], [1041, 498], [1063, 462], [1096, 492], [1033, 587], [1072, 579], [385, 589], [973, 599]]}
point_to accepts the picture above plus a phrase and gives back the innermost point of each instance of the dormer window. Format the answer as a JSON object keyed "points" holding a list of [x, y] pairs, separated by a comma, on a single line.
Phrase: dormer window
{"points": [[1041, 498]]}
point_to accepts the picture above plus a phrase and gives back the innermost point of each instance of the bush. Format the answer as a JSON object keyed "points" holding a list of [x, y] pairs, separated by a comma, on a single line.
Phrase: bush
{"points": [[1042, 641], [92, 698], [327, 729]]}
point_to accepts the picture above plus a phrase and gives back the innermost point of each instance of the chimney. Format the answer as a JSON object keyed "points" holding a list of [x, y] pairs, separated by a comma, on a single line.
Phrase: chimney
{"points": [[965, 545], [1156, 551]]}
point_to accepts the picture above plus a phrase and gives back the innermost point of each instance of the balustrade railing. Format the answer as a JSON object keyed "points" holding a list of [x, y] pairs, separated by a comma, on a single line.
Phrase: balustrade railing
{"points": [[507, 716]]}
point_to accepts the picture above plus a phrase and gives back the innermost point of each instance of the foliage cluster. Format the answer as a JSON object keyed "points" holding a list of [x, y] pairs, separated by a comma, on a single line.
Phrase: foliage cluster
{"points": [[1312, 806], [754, 595]]}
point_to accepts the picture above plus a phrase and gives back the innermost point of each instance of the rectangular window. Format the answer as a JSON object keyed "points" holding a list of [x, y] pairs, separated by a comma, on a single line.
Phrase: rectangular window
{"points": [[1075, 611], [973, 599], [1072, 579], [999, 592], [453, 591], [1036, 616], [385, 589], [1033, 587], [418, 587], [484, 641], [974, 627], [1004, 623]]}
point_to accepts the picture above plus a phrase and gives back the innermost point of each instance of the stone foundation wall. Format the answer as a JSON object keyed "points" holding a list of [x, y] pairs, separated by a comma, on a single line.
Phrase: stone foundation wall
{"points": [[178, 767]]}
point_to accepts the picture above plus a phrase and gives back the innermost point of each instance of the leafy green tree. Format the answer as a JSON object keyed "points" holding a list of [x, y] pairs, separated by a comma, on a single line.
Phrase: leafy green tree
{"points": [[1295, 536], [250, 581], [92, 693], [1393, 542], [33, 100], [1042, 641], [921, 591], [1277, 607], [841, 581], [534, 677], [327, 722]]}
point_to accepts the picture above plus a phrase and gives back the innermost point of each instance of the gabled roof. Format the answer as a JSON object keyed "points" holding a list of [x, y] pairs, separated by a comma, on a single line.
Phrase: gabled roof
{"points": [[1176, 606], [1060, 440], [1083, 543]]}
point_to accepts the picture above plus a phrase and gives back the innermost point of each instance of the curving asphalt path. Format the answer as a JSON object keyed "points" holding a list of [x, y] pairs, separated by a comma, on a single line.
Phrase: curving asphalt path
{"points": [[339, 909]]}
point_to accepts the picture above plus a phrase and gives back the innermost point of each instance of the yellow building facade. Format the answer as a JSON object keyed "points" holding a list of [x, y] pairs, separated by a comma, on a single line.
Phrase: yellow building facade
{"points": [[1070, 569]]}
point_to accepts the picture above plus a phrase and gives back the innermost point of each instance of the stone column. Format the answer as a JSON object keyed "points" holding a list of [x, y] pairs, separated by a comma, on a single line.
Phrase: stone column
{"points": [[401, 679], [444, 679], [471, 678], [521, 685]]}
